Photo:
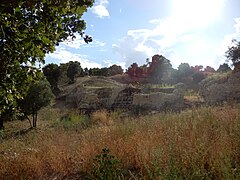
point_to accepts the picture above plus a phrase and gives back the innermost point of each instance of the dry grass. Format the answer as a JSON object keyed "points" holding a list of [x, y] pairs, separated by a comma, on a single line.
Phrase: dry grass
{"points": [[195, 144], [101, 118]]}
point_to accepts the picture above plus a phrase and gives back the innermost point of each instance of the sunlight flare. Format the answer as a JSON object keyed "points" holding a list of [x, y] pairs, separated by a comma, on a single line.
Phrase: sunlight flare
{"points": [[197, 13]]}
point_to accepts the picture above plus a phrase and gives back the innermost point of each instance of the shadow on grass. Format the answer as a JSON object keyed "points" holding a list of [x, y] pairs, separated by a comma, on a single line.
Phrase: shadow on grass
{"points": [[22, 132]]}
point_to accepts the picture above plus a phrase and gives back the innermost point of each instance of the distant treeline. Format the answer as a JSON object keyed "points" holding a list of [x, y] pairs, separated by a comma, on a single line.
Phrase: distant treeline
{"points": [[157, 70]]}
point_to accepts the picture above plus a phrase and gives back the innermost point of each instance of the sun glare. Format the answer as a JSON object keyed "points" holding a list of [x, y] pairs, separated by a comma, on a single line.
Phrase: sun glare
{"points": [[197, 13]]}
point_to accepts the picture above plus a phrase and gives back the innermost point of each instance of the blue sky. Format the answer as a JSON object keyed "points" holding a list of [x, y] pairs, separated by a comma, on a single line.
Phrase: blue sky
{"points": [[194, 31]]}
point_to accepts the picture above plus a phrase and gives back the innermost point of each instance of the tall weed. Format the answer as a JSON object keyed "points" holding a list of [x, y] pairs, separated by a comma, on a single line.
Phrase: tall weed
{"points": [[201, 143]]}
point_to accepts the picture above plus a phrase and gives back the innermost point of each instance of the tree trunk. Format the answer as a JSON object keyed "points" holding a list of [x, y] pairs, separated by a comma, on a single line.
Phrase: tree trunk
{"points": [[1, 123], [34, 120], [29, 120], [2, 118]]}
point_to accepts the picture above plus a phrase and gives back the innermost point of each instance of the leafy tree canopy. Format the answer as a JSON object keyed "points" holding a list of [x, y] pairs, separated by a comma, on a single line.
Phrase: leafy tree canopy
{"points": [[160, 67], [52, 73], [94, 72], [38, 95], [29, 30], [104, 71], [198, 77], [185, 69], [233, 53], [74, 68], [197, 68], [209, 69], [224, 68], [115, 69]]}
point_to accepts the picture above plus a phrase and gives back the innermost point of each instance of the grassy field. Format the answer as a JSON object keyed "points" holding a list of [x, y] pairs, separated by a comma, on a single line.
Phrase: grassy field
{"points": [[202, 143]]}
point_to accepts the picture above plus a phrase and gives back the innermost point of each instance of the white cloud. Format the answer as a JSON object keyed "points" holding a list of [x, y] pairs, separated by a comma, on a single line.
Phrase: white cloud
{"points": [[108, 63], [182, 31], [237, 26], [197, 13], [78, 43], [127, 50], [155, 21], [63, 56], [65, 52], [100, 9], [227, 41], [96, 43], [75, 43]]}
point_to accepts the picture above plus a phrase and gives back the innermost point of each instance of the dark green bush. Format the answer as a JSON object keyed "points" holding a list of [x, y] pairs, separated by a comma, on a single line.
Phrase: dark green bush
{"points": [[106, 167]]}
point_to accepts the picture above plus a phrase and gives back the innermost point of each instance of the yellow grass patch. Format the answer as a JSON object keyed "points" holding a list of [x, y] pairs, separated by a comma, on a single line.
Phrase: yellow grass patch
{"points": [[201, 143]]}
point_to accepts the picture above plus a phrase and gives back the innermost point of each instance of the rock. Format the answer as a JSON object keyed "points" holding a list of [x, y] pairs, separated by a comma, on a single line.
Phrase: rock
{"points": [[220, 89], [160, 101], [156, 89], [100, 93], [124, 98]]}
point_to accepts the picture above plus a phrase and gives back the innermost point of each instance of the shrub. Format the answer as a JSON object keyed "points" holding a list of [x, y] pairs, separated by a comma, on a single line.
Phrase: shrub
{"points": [[38, 96], [106, 167]]}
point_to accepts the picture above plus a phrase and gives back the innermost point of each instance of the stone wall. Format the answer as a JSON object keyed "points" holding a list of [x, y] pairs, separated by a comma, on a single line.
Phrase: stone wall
{"points": [[90, 98], [163, 90], [125, 98], [161, 101], [220, 89]]}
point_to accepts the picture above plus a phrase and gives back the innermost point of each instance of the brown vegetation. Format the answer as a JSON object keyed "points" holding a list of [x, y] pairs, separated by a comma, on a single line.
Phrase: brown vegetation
{"points": [[201, 143]]}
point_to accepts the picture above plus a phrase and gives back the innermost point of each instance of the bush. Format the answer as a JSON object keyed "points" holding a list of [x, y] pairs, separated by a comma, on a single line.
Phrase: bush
{"points": [[106, 167], [39, 95]]}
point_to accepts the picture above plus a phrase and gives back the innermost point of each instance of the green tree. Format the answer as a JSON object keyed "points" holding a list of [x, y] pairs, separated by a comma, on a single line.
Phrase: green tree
{"points": [[114, 70], [29, 30], [224, 68], [63, 71], [197, 68], [86, 71], [159, 68], [74, 68], [175, 76], [38, 95], [63, 67], [52, 73], [104, 71], [183, 74], [185, 69], [233, 54], [94, 72], [198, 77], [8, 100], [132, 70]]}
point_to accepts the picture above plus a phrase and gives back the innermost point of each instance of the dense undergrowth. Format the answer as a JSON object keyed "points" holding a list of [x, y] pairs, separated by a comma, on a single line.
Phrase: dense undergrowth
{"points": [[202, 143]]}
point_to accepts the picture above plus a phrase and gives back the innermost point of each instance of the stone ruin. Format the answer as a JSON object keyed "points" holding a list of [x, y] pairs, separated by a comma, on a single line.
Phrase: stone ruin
{"points": [[160, 101], [221, 89], [124, 100], [88, 98]]}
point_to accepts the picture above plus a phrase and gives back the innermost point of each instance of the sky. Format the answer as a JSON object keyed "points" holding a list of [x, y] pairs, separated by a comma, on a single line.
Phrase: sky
{"points": [[197, 32]]}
